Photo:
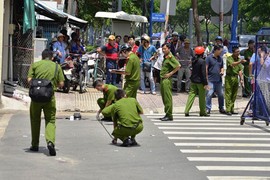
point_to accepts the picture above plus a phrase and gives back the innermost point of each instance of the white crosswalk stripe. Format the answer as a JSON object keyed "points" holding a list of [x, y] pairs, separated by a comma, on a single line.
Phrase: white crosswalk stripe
{"points": [[219, 146]]}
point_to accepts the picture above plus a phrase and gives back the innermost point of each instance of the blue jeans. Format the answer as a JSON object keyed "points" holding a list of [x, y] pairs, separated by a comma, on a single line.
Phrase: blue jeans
{"points": [[215, 87], [151, 79], [110, 78]]}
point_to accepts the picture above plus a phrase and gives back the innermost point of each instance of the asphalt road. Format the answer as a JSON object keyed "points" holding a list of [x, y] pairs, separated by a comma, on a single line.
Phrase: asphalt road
{"points": [[188, 149]]}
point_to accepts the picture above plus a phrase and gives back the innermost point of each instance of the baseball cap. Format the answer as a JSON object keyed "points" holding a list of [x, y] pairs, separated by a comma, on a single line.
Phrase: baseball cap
{"points": [[187, 41], [111, 37]]}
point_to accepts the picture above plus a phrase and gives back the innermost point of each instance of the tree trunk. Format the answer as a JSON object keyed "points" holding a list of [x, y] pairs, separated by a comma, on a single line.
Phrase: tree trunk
{"points": [[197, 21]]}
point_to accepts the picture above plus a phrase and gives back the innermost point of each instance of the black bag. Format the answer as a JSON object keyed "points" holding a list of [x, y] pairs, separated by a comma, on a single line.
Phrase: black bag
{"points": [[147, 66], [41, 90]]}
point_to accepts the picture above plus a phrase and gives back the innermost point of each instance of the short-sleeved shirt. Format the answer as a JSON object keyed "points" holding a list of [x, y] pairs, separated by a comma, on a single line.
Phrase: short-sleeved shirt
{"points": [[168, 65], [133, 68], [109, 91], [147, 53], [111, 51], [60, 47], [135, 48], [126, 112], [248, 54], [233, 71], [185, 56], [45, 69], [215, 64]]}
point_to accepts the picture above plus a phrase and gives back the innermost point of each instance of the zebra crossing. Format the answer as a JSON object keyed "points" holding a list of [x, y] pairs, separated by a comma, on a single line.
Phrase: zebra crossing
{"points": [[220, 146]]}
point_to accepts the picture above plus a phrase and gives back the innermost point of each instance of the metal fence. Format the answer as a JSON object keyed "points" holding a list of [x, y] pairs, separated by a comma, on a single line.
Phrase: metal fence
{"points": [[22, 56]]}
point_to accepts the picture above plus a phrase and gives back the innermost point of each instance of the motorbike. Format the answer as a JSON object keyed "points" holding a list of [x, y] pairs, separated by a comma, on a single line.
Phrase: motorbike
{"points": [[80, 73], [67, 71], [94, 71]]}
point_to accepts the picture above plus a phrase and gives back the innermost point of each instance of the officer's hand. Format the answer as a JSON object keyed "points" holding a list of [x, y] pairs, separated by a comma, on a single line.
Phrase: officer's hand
{"points": [[114, 141], [243, 61], [168, 75], [97, 116], [206, 87]]}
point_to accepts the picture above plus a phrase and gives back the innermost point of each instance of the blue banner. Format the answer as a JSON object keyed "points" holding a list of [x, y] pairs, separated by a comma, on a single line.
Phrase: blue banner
{"points": [[158, 17]]}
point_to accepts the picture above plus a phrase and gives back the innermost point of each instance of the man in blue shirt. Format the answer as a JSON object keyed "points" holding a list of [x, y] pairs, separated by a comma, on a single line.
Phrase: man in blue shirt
{"points": [[214, 73], [59, 48], [147, 54]]}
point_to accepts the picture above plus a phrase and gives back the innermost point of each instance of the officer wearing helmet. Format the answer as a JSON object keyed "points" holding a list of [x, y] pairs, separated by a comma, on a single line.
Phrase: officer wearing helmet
{"points": [[132, 71], [198, 82]]}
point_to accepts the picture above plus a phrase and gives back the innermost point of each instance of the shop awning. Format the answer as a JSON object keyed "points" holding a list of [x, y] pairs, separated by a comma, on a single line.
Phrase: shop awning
{"points": [[57, 15], [49, 12], [121, 15]]}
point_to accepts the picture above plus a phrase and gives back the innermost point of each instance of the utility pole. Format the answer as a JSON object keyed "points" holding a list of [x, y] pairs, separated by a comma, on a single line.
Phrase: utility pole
{"points": [[119, 5], [234, 41], [167, 15], [190, 27], [221, 17], [150, 18]]}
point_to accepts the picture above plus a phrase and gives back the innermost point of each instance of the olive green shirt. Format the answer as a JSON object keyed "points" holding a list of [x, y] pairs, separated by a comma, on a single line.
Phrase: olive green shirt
{"points": [[126, 112], [233, 71], [247, 54], [45, 69], [168, 65], [108, 92], [133, 68]]}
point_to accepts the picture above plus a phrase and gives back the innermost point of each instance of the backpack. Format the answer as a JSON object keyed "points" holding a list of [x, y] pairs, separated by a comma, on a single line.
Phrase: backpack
{"points": [[41, 90]]}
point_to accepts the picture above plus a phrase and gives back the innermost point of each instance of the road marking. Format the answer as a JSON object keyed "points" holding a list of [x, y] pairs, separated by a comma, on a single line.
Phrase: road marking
{"points": [[228, 159], [217, 133], [233, 168], [221, 151], [195, 115], [220, 138], [222, 144], [201, 120], [212, 128], [196, 124], [238, 178], [4, 123]]}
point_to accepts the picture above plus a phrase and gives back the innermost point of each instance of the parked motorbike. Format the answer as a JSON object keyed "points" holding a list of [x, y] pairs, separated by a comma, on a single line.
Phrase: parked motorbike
{"points": [[94, 71], [67, 71], [80, 73]]}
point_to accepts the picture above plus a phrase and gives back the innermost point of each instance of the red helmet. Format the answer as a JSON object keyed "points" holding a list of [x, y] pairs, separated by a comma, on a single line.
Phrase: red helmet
{"points": [[199, 50]]}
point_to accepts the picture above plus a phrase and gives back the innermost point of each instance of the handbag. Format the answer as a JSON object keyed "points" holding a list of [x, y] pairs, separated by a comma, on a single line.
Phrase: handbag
{"points": [[147, 66], [41, 90]]}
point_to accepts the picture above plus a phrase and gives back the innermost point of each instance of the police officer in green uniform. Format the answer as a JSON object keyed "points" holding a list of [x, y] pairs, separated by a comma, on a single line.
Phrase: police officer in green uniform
{"points": [[132, 71], [107, 100], [126, 117], [234, 69], [45, 69], [198, 82], [169, 67], [248, 54]]}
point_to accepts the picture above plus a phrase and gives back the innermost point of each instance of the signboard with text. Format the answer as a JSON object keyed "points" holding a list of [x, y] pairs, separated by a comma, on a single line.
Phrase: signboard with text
{"points": [[158, 17]]}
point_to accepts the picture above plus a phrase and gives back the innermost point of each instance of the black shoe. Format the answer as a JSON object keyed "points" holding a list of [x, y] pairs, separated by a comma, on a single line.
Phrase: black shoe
{"points": [[208, 111], [166, 119], [51, 149], [228, 113], [34, 148], [127, 143], [234, 113], [204, 115], [133, 142], [186, 114], [222, 111], [106, 119]]}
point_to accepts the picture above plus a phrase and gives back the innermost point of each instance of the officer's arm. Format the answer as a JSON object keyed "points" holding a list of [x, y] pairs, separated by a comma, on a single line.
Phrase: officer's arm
{"points": [[61, 78], [30, 74], [108, 103]]}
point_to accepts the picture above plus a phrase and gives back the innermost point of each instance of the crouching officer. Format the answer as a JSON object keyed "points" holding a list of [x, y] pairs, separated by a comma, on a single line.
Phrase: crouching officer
{"points": [[132, 71], [126, 117], [169, 67], [107, 100], [45, 69]]}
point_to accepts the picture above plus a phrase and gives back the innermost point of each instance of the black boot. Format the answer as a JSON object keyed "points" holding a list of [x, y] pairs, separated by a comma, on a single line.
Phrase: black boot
{"points": [[51, 149]]}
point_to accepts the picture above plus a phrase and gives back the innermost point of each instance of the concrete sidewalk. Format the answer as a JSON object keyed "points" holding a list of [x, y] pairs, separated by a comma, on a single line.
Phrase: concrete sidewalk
{"points": [[86, 102]]}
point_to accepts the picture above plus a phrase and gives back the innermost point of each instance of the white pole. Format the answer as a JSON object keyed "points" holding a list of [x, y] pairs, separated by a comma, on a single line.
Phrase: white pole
{"points": [[221, 16], [167, 15]]}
